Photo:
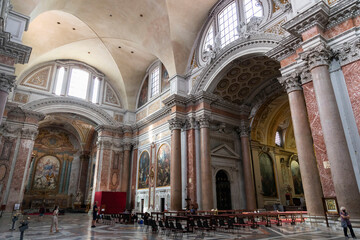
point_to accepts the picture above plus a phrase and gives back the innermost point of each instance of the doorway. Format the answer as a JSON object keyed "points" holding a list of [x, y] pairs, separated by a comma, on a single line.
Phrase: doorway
{"points": [[162, 204], [223, 191], [142, 205]]}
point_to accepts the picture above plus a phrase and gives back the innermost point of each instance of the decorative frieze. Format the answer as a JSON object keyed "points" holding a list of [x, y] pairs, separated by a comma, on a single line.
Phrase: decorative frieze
{"points": [[291, 82], [317, 56], [7, 82], [349, 52]]}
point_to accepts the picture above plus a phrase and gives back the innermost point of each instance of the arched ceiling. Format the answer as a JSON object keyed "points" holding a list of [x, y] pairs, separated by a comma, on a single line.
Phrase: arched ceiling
{"points": [[92, 31], [245, 77]]}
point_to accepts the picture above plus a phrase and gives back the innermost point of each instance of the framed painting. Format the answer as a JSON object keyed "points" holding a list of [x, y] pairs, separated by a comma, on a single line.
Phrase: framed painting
{"points": [[331, 206], [163, 166], [267, 176], [46, 174], [143, 174]]}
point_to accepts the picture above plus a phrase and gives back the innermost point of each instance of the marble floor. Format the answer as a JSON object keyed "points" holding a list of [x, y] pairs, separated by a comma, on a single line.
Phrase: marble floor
{"points": [[77, 226]]}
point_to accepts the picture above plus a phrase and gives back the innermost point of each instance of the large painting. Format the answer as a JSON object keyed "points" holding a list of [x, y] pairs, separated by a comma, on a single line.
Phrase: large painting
{"points": [[267, 176], [163, 166], [46, 174], [143, 97], [296, 176], [143, 178]]}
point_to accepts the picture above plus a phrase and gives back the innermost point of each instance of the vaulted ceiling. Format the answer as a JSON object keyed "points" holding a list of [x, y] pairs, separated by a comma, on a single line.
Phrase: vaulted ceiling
{"points": [[118, 37], [246, 76]]}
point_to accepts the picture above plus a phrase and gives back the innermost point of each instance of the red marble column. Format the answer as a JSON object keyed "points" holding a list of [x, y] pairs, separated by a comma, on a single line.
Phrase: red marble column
{"points": [[133, 178], [126, 169], [7, 82], [304, 145], [175, 165], [191, 164], [21, 127], [342, 171], [206, 168], [247, 168]]}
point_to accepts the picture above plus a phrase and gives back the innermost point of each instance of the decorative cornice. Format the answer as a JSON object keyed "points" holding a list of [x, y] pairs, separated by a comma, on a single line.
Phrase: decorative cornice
{"points": [[175, 123], [317, 15], [286, 48], [342, 11], [7, 82], [291, 82], [349, 52], [19, 52]]}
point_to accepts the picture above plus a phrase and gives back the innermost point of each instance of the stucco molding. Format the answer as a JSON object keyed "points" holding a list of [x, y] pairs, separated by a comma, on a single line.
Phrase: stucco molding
{"points": [[72, 105]]}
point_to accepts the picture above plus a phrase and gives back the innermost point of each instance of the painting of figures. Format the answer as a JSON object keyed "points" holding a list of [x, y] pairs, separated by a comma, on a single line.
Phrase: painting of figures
{"points": [[143, 97], [296, 176], [267, 176], [143, 177], [46, 174], [163, 166]]}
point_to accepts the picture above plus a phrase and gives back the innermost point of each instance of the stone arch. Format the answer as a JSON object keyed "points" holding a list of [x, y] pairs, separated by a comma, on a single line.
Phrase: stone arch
{"points": [[257, 45], [72, 105]]}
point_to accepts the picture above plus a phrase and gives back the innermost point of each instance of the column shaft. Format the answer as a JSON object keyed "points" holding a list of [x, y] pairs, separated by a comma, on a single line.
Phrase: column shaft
{"points": [[248, 177], [125, 171], [338, 153], [175, 171], [206, 170], [307, 161]]}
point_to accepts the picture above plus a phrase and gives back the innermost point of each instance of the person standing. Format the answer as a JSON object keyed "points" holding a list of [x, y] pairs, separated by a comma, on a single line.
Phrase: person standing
{"points": [[345, 223], [41, 212], [55, 219], [95, 212]]}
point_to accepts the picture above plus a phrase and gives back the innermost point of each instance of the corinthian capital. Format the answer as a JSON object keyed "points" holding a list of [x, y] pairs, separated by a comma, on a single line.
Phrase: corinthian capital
{"points": [[127, 146], [317, 56], [7, 82], [175, 123], [204, 121], [291, 82], [244, 129], [349, 52]]}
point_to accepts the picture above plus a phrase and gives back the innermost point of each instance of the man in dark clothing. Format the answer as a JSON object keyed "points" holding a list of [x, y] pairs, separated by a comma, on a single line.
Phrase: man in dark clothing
{"points": [[95, 212]]}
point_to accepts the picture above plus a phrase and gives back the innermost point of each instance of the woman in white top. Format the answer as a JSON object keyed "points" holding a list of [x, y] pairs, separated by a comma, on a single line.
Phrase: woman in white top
{"points": [[55, 219]]}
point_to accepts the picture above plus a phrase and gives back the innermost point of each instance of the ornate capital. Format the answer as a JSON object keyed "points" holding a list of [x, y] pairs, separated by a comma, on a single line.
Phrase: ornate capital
{"points": [[349, 52], [291, 82], [175, 123], [317, 56], [127, 146], [7, 82], [204, 121], [29, 133], [244, 129], [104, 143]]}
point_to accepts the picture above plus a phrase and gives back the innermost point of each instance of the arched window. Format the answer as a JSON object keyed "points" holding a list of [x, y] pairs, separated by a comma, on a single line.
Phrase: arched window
{"points": [[252, 8], [228, 21], [278, 138], [155, 81]]}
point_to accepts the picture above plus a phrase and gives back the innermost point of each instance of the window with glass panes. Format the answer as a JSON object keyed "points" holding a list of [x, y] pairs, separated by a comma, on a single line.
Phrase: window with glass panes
{"points": [[227, 20], [209, 39], [252, 8], [155, 81]]}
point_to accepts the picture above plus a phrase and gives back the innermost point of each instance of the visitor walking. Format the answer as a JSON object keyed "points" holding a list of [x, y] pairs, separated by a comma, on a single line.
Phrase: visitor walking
{"points": [[95, 212], [55, 219], [345, 223]]}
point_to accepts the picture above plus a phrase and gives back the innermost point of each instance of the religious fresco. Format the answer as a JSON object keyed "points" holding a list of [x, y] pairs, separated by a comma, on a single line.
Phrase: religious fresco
{"points": [[46, 174], [267, 176], [143, 97], [143, 176], [296, 176], [163, 166]]}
